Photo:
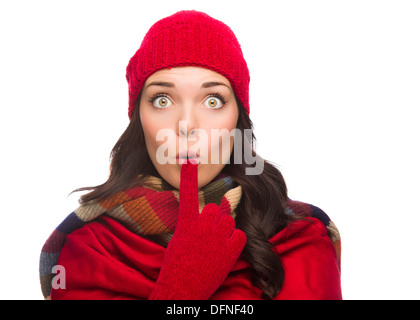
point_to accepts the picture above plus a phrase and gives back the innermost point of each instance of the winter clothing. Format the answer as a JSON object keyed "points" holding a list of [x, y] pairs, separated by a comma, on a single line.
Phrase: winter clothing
{"points": [[105, 260], [201, 241], [112, 257], [149, 209]]}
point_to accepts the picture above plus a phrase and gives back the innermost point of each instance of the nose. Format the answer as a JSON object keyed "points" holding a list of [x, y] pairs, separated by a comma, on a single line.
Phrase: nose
{"points": [[187, 123]]}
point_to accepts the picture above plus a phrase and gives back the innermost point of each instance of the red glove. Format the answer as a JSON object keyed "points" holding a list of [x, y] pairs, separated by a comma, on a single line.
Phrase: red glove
{"points": [[203, 249]]}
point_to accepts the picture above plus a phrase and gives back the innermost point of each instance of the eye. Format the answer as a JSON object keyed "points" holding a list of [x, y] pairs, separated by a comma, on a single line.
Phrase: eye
{"points": [[160, 100], [216, 101]]}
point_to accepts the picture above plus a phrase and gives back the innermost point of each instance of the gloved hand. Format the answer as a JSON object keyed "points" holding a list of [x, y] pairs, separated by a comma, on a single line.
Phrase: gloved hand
{"points": [[203, 249]]}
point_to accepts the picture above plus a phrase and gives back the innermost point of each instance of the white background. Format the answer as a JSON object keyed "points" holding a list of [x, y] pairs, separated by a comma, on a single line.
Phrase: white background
{"points": [[334, 95]]}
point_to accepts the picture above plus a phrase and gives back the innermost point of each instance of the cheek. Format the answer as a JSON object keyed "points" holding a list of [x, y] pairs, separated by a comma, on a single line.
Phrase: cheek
{"points": [[223, 146], [150, 130], [221, 141], [161, 143], [149, 134]]}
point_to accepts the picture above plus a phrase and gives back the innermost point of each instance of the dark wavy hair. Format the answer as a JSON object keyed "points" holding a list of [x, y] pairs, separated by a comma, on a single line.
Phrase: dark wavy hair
{"points": [[261, 212]]}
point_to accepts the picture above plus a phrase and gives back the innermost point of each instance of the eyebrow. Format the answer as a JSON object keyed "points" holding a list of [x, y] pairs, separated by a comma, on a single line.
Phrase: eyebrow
{"points": [[171, 85]]}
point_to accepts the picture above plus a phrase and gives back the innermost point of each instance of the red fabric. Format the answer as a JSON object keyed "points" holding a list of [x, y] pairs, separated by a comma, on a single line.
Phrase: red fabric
{"points": [[206, 241], [110, 262]]}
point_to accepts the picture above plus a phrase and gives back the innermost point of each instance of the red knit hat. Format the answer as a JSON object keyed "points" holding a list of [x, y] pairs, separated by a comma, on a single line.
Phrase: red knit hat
{"points": [[189, 38]]}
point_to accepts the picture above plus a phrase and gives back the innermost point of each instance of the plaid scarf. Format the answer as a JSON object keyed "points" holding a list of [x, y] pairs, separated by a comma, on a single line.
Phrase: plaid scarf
{"points": [[150, 209]]}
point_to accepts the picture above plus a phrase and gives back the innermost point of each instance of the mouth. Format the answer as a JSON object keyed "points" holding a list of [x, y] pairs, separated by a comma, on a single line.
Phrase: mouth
{"points": [[192, 156]]}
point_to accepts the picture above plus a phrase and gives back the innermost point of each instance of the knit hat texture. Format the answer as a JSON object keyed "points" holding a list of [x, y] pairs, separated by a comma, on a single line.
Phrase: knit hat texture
{"points": [[189, 38]]}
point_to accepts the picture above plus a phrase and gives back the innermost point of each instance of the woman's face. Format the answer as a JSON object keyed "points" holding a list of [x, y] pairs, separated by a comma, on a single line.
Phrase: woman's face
{"points": [[179, 109]]}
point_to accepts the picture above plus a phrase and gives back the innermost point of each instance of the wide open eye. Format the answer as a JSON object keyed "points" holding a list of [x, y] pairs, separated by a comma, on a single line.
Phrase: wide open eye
{"points": [[160, 100], [216, 101]]}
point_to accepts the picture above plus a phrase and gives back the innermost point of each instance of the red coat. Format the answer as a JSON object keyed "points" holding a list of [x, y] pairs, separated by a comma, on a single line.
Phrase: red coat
{"points": [[110, 262]]}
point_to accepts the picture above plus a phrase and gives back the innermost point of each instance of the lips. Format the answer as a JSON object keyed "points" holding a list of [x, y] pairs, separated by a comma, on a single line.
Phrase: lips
{"points": [[184, 155]]}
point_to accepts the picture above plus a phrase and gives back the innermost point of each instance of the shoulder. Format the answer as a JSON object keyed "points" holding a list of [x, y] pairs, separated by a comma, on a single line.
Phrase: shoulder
{"points": [[311, 221], [309, 261], [310, 254], [299, 208], [302, 209]]}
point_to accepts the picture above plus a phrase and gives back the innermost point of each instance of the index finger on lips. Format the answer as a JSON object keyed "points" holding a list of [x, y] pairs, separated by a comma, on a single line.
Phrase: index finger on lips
{"points": [[188, 191]]}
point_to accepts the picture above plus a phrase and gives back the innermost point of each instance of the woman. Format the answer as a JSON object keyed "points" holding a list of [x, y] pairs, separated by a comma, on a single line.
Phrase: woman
{"points": [[180, 217]]}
